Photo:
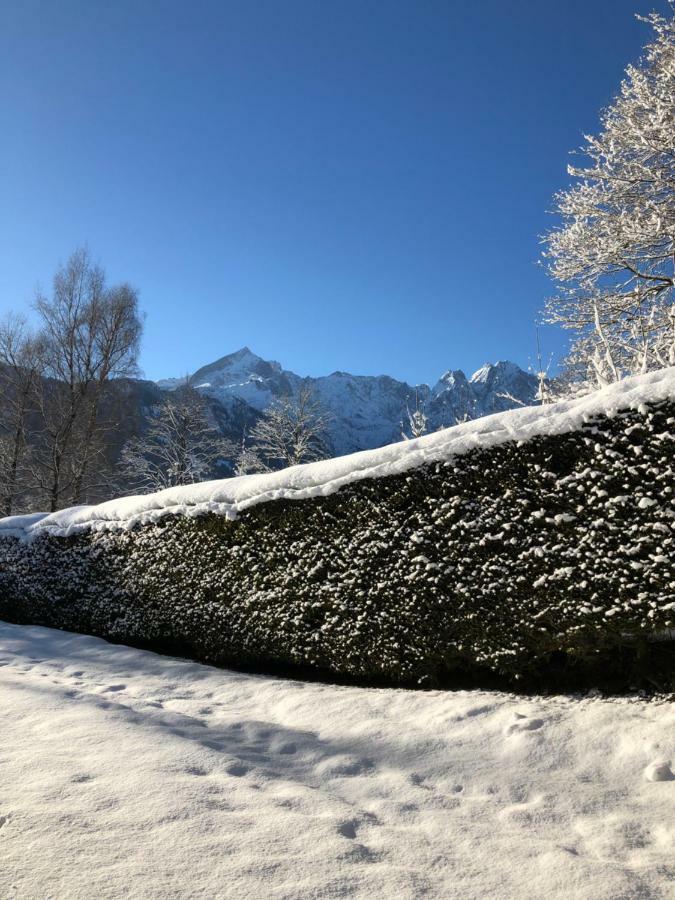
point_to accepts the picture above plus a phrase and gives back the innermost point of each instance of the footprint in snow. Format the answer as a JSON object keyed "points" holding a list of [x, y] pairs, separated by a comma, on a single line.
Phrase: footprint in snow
{"points": [[286, 748], [478, 711], [349, 828], [659, 771], [345, 765], [520, 723], [527, 813]]}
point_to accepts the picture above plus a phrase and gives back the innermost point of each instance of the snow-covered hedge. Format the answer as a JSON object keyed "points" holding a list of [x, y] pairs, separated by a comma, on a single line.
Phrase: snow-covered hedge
{"points": [[545, 562]]}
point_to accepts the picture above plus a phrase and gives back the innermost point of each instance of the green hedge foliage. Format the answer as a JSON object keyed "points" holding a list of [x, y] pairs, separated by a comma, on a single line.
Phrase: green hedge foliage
{"points": [[546, 564]]}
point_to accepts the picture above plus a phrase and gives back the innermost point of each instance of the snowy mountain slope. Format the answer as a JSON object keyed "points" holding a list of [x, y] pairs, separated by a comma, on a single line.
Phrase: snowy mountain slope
{"points": [[367, 411], [247, 377], [230, 496], [125, 773]]}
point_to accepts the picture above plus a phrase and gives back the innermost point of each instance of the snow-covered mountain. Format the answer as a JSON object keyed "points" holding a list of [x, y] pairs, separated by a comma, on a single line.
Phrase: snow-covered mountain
{"points": [[366, 411]]}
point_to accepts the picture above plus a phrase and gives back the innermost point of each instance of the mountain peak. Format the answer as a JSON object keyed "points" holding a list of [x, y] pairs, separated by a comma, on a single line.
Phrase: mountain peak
{"points": [[244, 354], [452, 376], [502, 367], [235, 367]]}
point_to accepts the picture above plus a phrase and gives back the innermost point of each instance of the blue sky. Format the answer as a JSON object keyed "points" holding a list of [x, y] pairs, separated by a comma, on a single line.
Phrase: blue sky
{"points": [[351, 185]]}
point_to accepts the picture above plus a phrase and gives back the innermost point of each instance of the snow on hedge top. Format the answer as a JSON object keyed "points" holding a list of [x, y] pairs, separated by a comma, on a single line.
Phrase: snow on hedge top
{"points": [[230, 496]]}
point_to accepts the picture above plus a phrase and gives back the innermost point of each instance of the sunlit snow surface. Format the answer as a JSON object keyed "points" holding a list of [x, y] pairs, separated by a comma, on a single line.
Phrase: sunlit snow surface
{"points": [[230, 496], [126, 774]]}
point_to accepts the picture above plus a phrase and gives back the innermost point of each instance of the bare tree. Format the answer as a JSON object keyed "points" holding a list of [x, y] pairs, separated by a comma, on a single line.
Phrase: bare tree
{"points": [[181, 446], [293, 430], [91, 335], [21, 365], [613, 256]]}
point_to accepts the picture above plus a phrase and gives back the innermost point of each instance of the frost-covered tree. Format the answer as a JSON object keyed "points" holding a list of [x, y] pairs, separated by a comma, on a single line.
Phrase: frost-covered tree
{"points": [[249, 461], [180, 446], [293, 430], [545, 393], [613, 255], [417, 420]]}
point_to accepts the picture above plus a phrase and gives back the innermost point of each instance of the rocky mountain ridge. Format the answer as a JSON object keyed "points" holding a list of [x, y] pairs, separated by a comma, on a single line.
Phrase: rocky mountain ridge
{"points": [[366, 411]]}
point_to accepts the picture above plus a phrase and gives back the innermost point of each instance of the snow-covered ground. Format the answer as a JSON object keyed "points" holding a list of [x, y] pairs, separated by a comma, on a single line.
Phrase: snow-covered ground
{"points": [[127, 774]]}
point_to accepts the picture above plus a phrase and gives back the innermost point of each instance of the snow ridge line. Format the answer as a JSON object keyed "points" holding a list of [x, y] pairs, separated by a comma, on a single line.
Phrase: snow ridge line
{"points": [[228, 497]]}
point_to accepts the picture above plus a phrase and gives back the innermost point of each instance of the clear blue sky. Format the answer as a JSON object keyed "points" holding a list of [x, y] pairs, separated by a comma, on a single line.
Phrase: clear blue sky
{"points": [[339, 185]]}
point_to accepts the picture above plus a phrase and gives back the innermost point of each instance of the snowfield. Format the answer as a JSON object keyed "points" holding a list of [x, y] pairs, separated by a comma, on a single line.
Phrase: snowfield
{"points": [[230, 496], [128, 774]]}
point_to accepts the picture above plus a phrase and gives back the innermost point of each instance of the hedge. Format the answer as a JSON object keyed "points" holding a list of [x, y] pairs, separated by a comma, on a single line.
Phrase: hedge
{"points": [[547, 564]]}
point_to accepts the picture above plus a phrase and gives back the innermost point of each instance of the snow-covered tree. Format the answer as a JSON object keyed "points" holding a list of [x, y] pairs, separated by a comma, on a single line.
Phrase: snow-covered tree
{"points": [[180, 446], [545, 393], [417, 420], [613, 255], [293, 430], [249, 461]]}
